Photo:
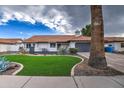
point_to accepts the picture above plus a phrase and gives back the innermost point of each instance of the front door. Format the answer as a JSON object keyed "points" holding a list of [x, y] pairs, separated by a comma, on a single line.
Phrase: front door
{"points": [[31, 50], [58, 46]]}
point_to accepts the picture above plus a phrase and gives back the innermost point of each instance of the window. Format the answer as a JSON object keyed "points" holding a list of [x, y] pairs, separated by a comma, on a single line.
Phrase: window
{"points": [[122, 45], [110, 45], [33, 44], [28, 45], [52, 45]]}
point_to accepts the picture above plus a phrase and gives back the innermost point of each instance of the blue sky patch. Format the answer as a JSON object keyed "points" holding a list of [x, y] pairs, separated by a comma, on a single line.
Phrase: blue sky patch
{"points": [[21, 29]]}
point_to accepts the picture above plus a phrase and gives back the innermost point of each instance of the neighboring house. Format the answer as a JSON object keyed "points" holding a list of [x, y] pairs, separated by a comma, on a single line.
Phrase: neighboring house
{"points": [[116, 42], [10, 45], [53, 43]]}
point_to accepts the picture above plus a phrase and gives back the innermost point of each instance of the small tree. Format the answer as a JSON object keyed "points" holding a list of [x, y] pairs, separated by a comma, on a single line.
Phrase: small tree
{"points": [[86, 31]]}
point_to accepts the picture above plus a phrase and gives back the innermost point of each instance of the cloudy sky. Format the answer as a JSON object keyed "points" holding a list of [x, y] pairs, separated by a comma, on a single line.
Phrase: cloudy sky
{"points": [[25, 21]]}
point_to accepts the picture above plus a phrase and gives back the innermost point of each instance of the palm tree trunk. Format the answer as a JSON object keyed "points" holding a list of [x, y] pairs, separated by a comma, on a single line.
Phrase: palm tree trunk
{"points": [[97, 55]]}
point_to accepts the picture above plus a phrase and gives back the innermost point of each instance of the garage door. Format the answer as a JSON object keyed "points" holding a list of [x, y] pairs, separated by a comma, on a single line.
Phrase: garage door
{"points": [[83, 47]]}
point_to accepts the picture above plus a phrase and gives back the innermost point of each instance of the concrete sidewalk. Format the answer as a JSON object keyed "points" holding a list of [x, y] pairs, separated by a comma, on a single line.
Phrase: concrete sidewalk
{"points": [[62, 82]]}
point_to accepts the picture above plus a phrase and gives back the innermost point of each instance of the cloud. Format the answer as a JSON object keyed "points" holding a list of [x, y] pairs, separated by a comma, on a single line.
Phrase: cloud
{"points": [[23, 17], [53, 18], [21, 33], [65, 19], [9, 13], [56, 20]]}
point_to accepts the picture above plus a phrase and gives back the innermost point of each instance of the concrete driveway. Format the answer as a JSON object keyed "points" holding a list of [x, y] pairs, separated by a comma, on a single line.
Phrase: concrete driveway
{"points": [[114, 60]]}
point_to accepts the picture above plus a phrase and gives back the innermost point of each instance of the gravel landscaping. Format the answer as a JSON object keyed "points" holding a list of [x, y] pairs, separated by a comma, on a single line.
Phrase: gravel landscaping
{"points": [[83, 69], [12, 69]]}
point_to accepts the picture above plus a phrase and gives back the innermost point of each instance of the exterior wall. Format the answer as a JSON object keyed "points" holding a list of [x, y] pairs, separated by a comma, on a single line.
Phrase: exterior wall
{"points": [[3, 48], [116, 45], [10, 47], [72, 45], [40, 46]]}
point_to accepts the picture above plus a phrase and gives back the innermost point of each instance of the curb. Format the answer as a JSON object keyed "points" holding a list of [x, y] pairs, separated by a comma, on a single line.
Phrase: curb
{"points": [[72, 70], [17, 71]]}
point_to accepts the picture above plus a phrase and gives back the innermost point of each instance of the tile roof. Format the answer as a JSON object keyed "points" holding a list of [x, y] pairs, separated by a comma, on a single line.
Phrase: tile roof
{"points": [[81, 38], [114, 39], [67, 38], [55, 38], [10, 40]]}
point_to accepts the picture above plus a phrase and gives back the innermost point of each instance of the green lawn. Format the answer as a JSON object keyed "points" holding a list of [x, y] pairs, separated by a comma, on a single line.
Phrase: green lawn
{"points": [[45, 65]]}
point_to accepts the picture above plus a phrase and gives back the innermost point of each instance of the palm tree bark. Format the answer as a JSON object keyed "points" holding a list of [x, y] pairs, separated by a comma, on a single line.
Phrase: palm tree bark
{"points": [[97, 55]]}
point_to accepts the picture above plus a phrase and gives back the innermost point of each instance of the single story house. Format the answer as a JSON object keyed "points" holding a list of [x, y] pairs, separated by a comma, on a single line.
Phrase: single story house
{"points": [[53, 43], [10, 44]]}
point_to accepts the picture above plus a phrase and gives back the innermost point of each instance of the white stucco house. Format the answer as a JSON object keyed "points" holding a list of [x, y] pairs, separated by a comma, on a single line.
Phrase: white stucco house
{"points": [[10, 44], [116, 42], [52, 43]]}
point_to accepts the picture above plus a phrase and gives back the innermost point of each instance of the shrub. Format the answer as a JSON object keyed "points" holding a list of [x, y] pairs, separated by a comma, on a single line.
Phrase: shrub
{"points": [[73, 50], [4, 63], [22, 50], [62, 51]]}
